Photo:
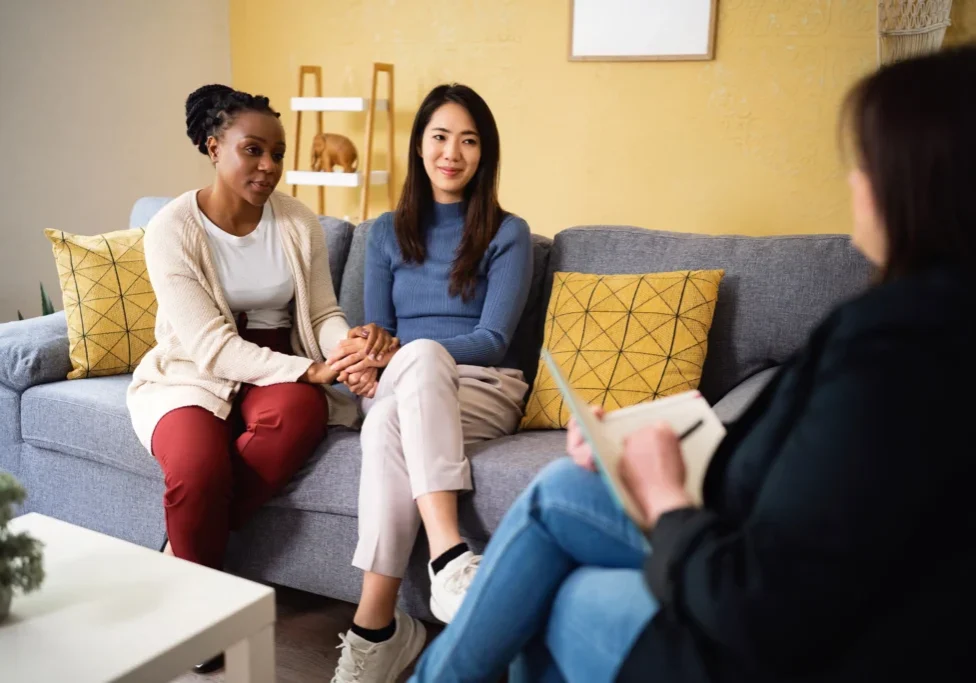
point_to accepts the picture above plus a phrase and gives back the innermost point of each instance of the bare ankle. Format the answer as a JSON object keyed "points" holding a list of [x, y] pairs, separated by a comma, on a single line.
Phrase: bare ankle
{"points": [[440, 545], [439, 513], [377, 604]]}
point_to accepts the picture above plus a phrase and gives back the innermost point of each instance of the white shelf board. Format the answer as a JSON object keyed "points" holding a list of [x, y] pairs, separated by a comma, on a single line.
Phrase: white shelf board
{"points": [[335, 104], [334, 179]]}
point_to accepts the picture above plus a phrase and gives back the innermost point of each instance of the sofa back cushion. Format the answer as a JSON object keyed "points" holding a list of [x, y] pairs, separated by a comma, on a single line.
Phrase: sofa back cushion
{"points": [[775, 289], [354, 277], [34, 351], [338, 239], [144, 209], [528, 335], [338, 233]]}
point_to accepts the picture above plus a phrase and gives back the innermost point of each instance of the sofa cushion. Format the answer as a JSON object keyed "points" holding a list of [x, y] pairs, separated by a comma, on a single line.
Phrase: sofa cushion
{"points": [[621, 340], [329, 480], [144, 209], [108, 301], [500, 469], [88, 419], [775, 289], [528, 334], [338, 239], [735, 403], [34, 351], [9, 431]]}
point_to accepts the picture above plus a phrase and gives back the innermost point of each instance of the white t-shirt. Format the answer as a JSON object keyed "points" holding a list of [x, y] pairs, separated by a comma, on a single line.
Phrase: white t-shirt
{"points": [[254, 272]]}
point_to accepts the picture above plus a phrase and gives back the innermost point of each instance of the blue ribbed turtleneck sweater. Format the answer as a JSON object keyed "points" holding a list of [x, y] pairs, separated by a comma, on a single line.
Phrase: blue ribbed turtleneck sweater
{"points": [[412, 301]]}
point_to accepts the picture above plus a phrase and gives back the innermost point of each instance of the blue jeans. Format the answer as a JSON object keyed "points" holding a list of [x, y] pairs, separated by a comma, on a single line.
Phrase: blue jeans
{"points": [[559, 596]]}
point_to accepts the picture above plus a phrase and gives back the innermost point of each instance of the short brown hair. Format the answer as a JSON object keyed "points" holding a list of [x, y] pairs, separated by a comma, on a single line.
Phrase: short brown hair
{"points": [[913, 125]]}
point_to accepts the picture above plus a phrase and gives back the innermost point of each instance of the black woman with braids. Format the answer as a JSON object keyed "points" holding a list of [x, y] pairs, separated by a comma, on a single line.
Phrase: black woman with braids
{"points": [[236, 395]]}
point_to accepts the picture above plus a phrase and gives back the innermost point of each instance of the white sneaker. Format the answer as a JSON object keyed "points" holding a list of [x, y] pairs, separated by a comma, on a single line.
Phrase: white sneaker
{"points": [[365, 662], [449, 586]]}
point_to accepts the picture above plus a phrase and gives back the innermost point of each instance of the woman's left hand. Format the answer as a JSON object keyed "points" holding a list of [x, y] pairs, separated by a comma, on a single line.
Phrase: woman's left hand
{"points": [[378, 341], [653, 469]]}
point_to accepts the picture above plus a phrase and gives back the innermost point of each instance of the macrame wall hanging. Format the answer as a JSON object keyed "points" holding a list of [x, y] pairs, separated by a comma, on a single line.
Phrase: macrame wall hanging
{"points": [[907, 28]]}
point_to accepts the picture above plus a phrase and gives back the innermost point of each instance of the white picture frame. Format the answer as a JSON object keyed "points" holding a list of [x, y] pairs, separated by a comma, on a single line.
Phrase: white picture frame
{"points": [[642, 30]]}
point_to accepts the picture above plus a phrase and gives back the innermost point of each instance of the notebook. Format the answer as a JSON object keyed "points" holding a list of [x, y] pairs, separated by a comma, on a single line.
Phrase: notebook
{"points": [[606, 437]]}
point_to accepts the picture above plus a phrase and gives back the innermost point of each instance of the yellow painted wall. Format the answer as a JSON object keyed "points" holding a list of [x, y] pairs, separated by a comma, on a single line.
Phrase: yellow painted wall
{"points": [[963, 28], [745, 143]]}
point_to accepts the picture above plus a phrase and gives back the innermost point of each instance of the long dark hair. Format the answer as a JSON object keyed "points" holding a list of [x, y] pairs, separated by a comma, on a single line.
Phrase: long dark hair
{"points": [[483, 214], [913, 127]]}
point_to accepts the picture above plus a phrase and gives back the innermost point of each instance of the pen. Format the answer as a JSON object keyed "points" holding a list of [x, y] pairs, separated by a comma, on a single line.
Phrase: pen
{"points": [[691, 430]]}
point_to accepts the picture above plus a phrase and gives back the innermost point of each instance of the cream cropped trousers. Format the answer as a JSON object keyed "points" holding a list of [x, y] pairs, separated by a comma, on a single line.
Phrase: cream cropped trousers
{"points": [[426, 408]]}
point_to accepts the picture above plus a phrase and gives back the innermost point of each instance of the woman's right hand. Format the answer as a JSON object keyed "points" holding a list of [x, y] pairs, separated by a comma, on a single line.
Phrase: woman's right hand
{"points": [[319, 373], [577, 447]]}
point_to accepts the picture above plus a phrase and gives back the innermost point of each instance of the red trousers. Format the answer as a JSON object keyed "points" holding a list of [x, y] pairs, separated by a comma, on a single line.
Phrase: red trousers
{"points": [[219, 472]]}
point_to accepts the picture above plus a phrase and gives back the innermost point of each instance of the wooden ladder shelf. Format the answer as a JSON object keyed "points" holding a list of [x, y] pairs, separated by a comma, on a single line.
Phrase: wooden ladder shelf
{"points": [[365, 176]]}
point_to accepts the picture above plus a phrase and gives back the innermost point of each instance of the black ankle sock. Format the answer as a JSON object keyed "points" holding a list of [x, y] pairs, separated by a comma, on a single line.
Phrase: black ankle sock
{"points": [[375, 635], [450, 554]]}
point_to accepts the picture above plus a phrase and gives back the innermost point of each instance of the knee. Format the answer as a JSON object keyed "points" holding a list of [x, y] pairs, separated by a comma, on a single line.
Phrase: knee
{"points": [[558, 480], [199, 475], [427, 356], [193, 449], [299, 411], [560, 475], [426, 349]]}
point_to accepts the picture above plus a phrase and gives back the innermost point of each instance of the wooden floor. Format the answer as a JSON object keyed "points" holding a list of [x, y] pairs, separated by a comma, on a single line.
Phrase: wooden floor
{"points": [[306, 635]]}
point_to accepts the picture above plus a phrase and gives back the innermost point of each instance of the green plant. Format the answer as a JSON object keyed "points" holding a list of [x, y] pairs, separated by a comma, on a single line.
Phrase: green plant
{"points": [[47, 308], [20, 555]]}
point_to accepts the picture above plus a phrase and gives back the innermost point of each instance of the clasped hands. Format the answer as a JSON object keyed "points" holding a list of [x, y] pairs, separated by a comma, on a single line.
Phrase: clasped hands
{"points": [[652, 467], [356, 360]]}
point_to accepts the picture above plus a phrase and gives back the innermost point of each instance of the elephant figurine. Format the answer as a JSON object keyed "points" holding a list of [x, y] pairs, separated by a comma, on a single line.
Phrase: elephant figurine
{"points": [[330, 150]]}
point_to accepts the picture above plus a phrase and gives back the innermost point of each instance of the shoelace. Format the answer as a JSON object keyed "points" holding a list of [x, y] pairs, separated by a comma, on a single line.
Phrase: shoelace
{"points": [[352, 662], [459, 582]]}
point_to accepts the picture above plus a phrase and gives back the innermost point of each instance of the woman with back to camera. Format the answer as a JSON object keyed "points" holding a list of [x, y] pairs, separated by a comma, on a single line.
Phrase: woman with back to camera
{"points": [[835, 543], [448, 273], [230, 401]]}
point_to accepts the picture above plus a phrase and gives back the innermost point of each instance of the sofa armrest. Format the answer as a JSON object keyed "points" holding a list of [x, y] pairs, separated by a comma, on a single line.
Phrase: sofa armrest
{"points": [[34, 351], [734, 403]]}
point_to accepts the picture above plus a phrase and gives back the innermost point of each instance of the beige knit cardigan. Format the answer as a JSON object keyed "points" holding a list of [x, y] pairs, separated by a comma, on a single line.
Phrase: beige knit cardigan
{"points": [[199, 359]]}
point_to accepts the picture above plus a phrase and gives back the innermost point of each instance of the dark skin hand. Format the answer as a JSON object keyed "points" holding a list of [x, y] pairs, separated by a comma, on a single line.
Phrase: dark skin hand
{"points": [[367, 344], [379, 342], [349, 358]]}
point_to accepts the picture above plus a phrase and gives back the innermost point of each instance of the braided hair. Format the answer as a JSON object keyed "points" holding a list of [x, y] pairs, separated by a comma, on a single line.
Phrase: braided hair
{"points": [[211, 108]]}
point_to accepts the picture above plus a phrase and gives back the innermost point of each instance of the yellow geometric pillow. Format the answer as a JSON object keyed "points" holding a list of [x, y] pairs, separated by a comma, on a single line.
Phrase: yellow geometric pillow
{"points": [[623, 339], [108, 301]]}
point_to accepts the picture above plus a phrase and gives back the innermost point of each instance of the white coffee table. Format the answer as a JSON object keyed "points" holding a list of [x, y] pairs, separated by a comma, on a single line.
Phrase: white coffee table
{"points": [[114, 611]]}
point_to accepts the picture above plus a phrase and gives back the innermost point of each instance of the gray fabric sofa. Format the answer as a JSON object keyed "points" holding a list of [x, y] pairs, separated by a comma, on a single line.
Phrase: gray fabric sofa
{"points": [[71, 444]]}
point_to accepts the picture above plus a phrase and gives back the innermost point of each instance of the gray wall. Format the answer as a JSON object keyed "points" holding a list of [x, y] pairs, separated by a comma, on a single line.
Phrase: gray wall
{"points": [[91, 118]]}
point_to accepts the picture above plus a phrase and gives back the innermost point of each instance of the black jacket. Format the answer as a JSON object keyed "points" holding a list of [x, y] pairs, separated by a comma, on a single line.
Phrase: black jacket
{"points": [[838, 537]]}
